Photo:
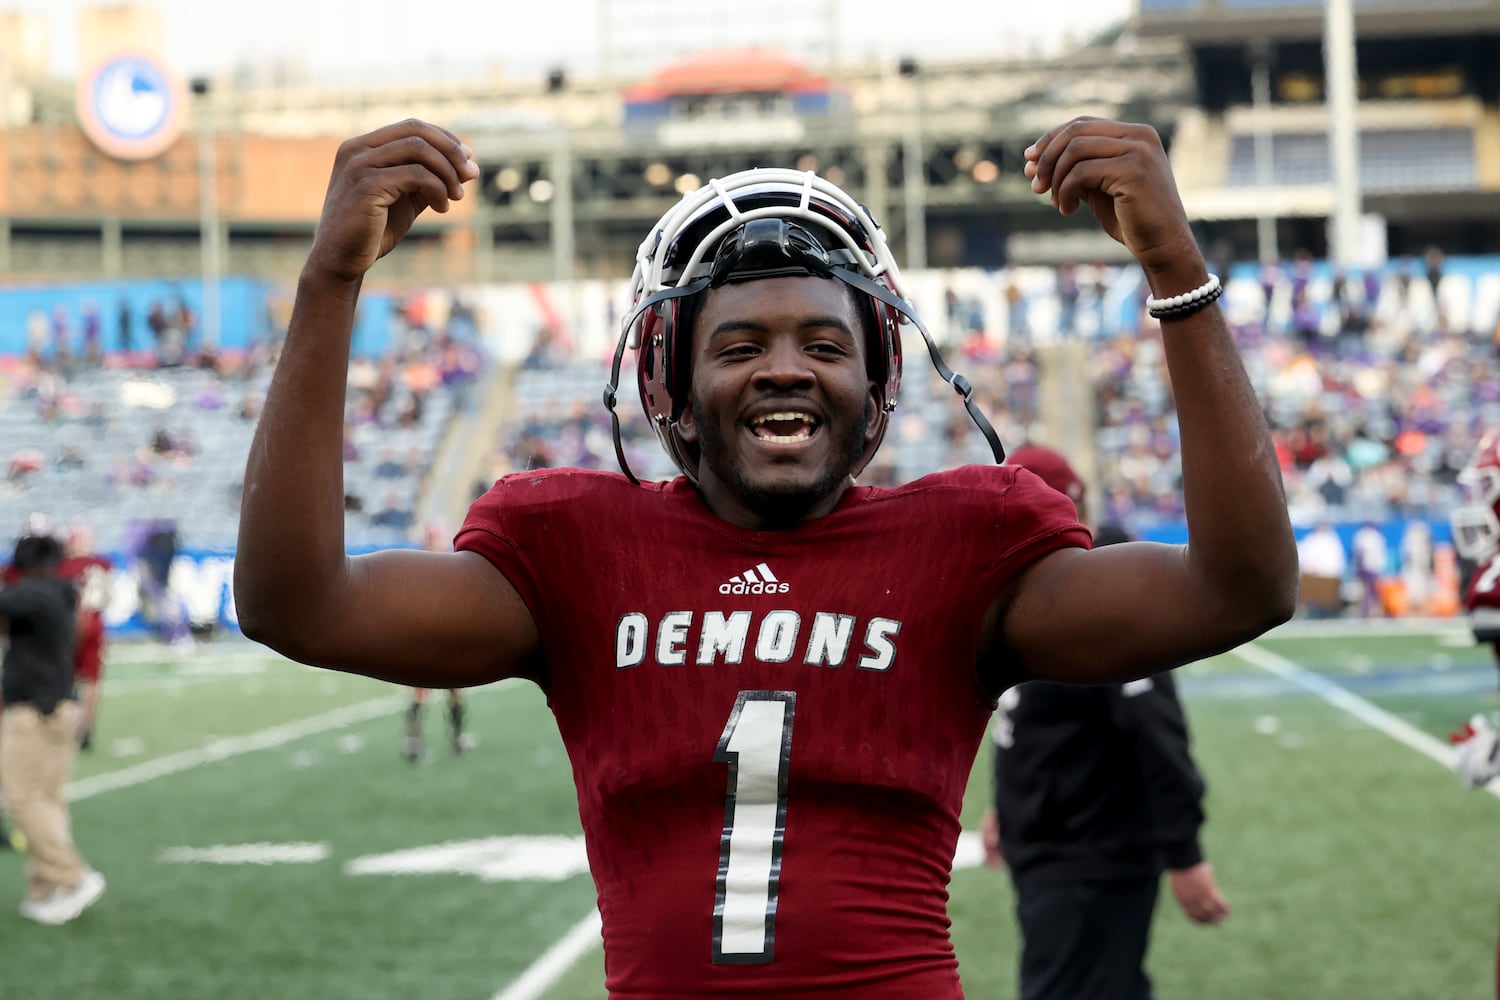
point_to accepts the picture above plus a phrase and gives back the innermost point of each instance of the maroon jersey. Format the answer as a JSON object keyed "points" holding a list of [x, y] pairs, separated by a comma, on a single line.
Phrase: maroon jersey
{"points": [[770, 731], [90, 574]]}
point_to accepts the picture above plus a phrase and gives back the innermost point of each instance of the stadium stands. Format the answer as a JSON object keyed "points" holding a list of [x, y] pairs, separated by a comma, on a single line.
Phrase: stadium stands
{"points": [[115, 446], [1390, 161]]}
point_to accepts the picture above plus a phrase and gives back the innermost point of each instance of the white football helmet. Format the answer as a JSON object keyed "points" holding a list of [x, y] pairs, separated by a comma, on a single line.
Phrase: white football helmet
{"points": [[754, 224]]}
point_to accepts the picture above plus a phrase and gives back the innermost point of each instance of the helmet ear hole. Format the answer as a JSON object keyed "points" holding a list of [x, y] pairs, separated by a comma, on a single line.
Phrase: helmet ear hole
{"points": [[648, 356], [679, 356]]}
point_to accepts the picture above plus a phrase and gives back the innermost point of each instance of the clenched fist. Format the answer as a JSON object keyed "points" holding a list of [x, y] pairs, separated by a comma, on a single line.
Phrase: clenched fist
{"points": [[381, 182], [1120, 171]]}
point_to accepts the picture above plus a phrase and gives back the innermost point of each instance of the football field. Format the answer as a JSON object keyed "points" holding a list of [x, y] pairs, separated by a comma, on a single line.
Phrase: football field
{"points": [[263, 838]]}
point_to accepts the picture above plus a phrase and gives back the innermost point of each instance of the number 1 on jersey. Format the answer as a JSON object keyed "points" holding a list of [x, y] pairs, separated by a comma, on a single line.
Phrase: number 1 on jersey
{"points": [[757, 745]]}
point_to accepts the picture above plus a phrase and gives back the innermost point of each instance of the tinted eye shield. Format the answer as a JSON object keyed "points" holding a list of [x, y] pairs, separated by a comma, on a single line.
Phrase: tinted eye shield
{"points": [[769, 248]]}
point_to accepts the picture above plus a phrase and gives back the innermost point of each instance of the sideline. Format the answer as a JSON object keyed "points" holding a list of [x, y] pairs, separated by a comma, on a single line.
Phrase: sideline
{"points": [[1347, 701], [233, 746], [264, 739], [540, 976]]}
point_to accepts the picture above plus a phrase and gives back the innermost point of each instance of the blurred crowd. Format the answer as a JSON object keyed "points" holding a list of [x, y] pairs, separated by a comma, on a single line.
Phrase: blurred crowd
{"points": [[1376, 392], [143, 417]]}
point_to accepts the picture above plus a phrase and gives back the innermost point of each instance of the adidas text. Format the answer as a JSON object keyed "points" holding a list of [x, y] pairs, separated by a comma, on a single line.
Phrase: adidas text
{"points": [[741, 587]]}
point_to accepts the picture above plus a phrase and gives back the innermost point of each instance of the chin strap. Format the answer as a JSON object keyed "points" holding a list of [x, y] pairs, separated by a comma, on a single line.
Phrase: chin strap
{"points": [[960, 384], [612, 387]]}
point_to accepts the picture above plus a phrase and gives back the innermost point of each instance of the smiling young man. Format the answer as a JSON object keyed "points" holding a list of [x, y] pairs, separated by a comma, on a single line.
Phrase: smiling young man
{"points": [[771, 681], [781, 405]]}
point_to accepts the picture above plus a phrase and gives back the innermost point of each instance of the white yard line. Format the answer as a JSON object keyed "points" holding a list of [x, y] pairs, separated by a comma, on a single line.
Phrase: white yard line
{"points": [[264, 739], [1365, 628], [1347, 701], [133, 652], [124, 687], [553, 963]]}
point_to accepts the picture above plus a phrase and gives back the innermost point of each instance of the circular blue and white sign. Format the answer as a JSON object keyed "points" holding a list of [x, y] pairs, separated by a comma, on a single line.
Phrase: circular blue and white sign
{"points": [[132, 97], [130, 106]]}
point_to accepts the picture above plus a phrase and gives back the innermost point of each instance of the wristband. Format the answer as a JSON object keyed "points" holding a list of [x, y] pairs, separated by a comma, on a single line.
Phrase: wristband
{"points": [[1188, 302]]}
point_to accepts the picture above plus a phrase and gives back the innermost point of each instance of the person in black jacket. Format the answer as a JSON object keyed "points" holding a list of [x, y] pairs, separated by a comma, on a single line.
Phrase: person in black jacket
{"points": [[39, 731], [1096, 794]]}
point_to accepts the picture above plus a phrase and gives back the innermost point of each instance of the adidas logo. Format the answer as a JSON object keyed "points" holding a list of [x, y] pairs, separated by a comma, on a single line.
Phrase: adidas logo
{"points": [[759, 580]]}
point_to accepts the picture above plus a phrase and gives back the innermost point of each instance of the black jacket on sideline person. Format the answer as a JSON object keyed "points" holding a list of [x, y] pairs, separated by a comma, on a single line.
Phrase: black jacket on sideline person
{"points": [[1096, 782], [38, 667]]}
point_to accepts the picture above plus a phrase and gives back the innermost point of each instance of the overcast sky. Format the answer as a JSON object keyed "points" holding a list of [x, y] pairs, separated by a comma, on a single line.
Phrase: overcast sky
{"points": [[370, 39]]}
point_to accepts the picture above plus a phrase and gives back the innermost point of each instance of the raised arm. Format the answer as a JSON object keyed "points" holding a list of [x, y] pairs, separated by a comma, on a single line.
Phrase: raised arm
{"points": [[1136, 608], [420, 618]]}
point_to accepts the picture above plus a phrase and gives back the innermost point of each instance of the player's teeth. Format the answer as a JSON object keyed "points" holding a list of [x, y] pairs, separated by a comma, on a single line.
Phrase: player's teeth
{"points": [[783, 416]]}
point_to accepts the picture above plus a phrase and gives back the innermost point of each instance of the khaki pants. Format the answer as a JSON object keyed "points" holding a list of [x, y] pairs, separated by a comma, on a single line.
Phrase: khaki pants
{"points": [[36, 758]]}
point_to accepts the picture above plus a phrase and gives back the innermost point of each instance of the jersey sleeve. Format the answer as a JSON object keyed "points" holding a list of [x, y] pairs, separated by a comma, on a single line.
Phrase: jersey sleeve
{"points": [[1005, 519], [1008, 518], [541, 528], [495, 528], [1038, 520]]}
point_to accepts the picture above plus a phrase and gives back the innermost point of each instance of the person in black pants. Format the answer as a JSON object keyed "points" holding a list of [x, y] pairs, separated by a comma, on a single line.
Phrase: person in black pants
{"points": [[1096, 794]]}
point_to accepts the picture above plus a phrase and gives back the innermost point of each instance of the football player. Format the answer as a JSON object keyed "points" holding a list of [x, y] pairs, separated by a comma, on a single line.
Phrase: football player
{"points": [[1476, 536], [90, 572], [39, 724], [411, 745], [771, 681]]}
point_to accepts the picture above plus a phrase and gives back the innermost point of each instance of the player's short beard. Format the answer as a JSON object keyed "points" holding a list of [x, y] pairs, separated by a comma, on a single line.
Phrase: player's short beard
{"points": [[780, 507]]}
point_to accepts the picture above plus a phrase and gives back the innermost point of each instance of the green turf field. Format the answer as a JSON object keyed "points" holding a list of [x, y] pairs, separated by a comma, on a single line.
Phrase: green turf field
{"points": [[1356, 864]]}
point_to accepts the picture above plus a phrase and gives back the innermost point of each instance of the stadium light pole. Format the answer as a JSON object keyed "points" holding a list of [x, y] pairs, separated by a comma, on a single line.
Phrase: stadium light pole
{"points": [[1340, 87], [914, 175], [563, 246], [1265, 171], [208, 213]]}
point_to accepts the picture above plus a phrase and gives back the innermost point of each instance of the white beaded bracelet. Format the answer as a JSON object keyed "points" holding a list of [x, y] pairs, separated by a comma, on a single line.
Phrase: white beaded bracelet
{"points": [[1203, 291]]}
